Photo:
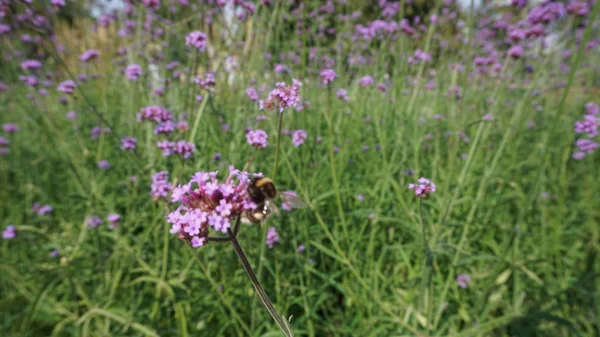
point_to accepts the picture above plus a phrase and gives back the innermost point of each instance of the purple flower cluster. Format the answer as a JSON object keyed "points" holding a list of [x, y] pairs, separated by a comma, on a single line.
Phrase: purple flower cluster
{"points": [[272, 237], [197, 39], [343, 94], [160, 187], [4, 143], [207, 203], [128, 143], [463, 280], [133, 72], [96, 131], [41, 210], [422, 188], [284, 96], [589, 127], [93, 221], [9, 233], [298, 137], [67, 86], [31, 64], [252, 94], [10, 127], [154, 113], [328, 75], [181, 147], [257, 138], [89, 55]]}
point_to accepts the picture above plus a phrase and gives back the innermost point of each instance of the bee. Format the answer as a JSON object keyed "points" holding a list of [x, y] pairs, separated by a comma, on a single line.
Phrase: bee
{"points": [[262, 191]]}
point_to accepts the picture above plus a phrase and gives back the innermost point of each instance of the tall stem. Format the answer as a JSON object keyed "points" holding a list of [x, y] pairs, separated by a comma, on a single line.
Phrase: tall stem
{"points": [[427, 287], [279, 124], [283, 325]]}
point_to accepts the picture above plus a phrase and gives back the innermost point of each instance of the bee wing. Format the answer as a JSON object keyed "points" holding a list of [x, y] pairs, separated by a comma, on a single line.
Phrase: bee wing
{"points": [[292, 199], [271, 207]]}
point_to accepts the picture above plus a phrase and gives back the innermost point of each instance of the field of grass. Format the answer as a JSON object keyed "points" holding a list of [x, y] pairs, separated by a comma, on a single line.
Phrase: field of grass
{"points": [[506, 245]]}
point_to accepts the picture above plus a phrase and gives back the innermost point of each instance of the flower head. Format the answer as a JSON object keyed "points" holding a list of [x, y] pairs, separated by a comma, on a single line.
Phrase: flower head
{"points": [[128, 143], [206, 203], [257, 138], [284, 96], [89, 55], [104, 164], [94, 221], [328, 75], [10, 127], [463, 280], [160, 187], [422, 188], [272, 237], [298, 137], [113, 220], [67, 87], [133, 72], [197, 39], [9, 233]]}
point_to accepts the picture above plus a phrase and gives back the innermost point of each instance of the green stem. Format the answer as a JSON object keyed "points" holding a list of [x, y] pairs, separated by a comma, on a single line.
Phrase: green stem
{"points": [[279, 124], [282, 323], [427, 286]]}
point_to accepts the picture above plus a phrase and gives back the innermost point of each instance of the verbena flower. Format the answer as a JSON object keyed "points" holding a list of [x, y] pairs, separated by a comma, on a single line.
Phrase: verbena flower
{"points": [[133, 72], [343, 95], [128, 143], [206, 203], [422, 188], [93, 221], [272, 237], [299, 137], [67, 87], [113, 220], [257, 138], [197, 39], [89, 55], [104, 164], [10, 127], [154, 113], [328, 75], [31, 64], [160, 187], [463, 280], [365, 81], [9, 233], [284, 96], [151, 4]]}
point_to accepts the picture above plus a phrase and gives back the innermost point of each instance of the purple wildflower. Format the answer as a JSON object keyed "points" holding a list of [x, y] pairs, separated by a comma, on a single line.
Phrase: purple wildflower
{"points": [[31, 64], [252, 94], [9, 233], [89, 55], [298, 137], [113, 220], [272, 237], [155, 114], [343, 95], [104, 164], [94, 221], [365, 81], [463, 280], [197, 39], [128, 143], [257, 138], [44, 210], [10, 127], [160, 187], [328, 75], [206, 203], [67, 87], [133, 72], [151, 4], [184, 149], [284, 96], [423, 187]]}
